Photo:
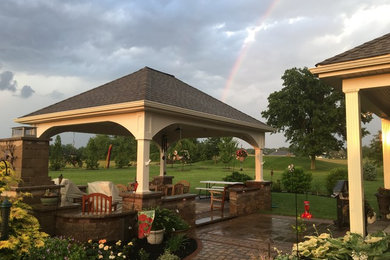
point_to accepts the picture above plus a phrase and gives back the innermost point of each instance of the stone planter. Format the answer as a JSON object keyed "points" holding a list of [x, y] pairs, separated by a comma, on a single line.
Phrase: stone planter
{"points": [[155, 237], [50, 201]]}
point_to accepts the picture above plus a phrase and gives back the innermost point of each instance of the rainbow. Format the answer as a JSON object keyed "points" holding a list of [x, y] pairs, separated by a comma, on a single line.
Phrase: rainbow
{"points": [[242, 54]]}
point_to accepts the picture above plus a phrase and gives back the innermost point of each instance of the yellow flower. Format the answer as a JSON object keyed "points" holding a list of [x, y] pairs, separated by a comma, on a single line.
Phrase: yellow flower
{"points": [[373, 239], [119, 254], [130, 244], [118, 243], [101, 246], [39, 243], [90, 241], [100, 257], [105, 248]]}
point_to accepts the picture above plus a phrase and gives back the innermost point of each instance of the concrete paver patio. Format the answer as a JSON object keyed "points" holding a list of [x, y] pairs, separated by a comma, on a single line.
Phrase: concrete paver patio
{"points": [[255, 235]]}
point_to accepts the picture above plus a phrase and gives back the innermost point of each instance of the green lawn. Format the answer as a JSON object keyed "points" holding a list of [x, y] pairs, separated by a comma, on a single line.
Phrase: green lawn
{"points": [[321, 206]]}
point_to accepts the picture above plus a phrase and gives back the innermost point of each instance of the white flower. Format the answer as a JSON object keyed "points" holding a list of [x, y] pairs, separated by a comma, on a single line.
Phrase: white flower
{"points": [[111, 257], [105, 248], [100, 257], [119, 254], [101, 246]]}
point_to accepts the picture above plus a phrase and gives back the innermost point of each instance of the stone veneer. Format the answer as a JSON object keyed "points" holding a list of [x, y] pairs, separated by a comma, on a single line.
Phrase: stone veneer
{"points": [[183, 204], [118, 225], [256, 196]]}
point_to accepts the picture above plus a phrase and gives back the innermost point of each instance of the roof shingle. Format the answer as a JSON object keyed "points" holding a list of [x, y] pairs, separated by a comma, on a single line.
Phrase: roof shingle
{"points": [[377, 47], [152, 85]]}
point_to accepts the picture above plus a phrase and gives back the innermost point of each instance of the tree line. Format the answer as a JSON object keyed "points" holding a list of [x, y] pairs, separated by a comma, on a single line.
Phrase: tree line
{"points": [[124, 151]]}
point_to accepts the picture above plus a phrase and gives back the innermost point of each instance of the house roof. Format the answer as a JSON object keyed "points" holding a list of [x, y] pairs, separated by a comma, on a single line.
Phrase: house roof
{"points": [[377, 47], [152, 85]]}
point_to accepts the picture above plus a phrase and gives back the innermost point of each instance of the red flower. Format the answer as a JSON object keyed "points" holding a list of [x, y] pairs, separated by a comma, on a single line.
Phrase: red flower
{"points": [[142, 217]]}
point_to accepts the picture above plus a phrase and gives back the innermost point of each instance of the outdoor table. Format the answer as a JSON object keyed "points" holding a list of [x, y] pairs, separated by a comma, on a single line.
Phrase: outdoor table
{"points": [[215, 186]]}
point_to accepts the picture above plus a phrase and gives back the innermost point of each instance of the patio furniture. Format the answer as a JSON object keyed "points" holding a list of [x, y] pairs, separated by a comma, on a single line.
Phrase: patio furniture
{"points": [[122, 188], [186, 185], [97, 203], [178, 189], [70, 193], [217, 196], [108, 188]]}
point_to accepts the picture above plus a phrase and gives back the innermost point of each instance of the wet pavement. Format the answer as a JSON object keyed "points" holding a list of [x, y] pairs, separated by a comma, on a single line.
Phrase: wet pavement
{"points": [[256, 235]]}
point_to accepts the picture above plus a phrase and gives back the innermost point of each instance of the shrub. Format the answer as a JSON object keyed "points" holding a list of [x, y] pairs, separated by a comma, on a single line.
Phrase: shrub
{"points": [[296, 180], [58, 248], [335, 175], [276, 186], [168, 256], [351, 246], [237, 177], [369, 172]]}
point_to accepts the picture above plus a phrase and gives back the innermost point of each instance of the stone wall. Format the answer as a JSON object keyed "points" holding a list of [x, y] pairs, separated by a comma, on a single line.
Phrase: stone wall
{"points": [[256, 196], [29, 158], [183, 204], [112, 227]]}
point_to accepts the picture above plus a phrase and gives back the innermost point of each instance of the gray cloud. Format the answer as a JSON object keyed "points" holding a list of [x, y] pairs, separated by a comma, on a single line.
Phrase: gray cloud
{"points": [[55, 94], [7, 81], [26, 92]]}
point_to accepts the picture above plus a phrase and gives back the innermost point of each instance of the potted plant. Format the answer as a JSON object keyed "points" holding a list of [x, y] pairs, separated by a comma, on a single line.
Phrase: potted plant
{"points": [[383, 197], [159, 223], [49, 198]]}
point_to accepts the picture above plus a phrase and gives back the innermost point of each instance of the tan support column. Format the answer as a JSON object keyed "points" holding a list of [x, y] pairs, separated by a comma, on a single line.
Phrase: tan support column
{"points": [[386, 152], [259, 158], [163, 162], [355, 176], [259, 164], [143, 161]]}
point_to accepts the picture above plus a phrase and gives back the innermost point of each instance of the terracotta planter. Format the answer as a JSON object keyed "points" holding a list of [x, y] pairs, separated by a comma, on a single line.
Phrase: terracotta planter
{"points": [[155, 237]]}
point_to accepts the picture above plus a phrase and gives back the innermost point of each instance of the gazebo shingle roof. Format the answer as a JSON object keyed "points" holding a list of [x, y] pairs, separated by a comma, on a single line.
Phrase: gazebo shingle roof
{"points": [[377, 47], [152, 85]]}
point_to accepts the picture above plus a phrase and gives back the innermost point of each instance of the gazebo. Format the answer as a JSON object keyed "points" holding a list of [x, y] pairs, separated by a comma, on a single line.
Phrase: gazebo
{"points": [[363, 74], [152, 106]]}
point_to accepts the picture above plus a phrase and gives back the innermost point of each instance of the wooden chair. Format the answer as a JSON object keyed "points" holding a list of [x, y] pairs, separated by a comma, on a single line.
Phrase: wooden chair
{"points": [[218, 197], [186, 186], [97, 203], [121, 188], [178, 189]]}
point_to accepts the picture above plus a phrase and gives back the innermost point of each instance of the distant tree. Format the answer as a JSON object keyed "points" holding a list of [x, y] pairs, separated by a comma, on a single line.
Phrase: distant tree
{"points": [[212, 148], [310, 113], [102, 143], [56, 155], [227, 148], [91, 155], [124, 150], [72, 155], [376, 153]]}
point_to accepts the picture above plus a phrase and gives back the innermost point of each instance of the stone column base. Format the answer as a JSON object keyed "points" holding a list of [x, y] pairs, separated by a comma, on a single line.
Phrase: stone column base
{"points": [[139, 201]]}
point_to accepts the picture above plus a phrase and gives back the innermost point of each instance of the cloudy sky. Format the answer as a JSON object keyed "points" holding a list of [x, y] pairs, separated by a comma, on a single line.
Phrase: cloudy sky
{"points": [[233, 50]]}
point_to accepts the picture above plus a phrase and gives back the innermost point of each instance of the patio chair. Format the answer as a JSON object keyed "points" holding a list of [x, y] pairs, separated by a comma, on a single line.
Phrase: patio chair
{"points": [[121, 188], [186, 186], [97, 203], [178, 189], [217, 197]]}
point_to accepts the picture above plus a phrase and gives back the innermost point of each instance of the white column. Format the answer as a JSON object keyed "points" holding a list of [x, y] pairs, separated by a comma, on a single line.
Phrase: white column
{"points": [[163, 162], [143, 152], [355, 176], [386, 152], [259, 164]]}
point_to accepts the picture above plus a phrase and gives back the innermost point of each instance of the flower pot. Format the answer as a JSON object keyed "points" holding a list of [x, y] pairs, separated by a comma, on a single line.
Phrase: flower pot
{"points": [[49, 201], [155, 237]]}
